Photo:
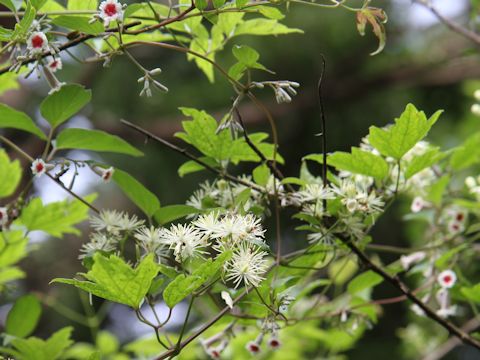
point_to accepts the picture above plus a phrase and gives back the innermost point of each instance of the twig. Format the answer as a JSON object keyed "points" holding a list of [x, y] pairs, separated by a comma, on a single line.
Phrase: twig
{"points": [[192, 157], [470, 35]]}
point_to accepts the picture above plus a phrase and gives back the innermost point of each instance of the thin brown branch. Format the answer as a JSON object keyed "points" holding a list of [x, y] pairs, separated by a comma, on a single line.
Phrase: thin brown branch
{"points": [[403, 288]]}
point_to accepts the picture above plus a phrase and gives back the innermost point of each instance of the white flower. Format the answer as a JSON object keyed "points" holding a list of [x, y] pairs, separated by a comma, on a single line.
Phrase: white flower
{"points": [[55, 64], [409, 260], [247, 266], [227, 298], [150, 239], [447, 312], [353, 225], [233, 229], [128, 223], [476, 94], [417, 204], [207, 224], [3, 216], [315, 192], [108, 220], [110, 10], [447, 279], [455, 227], [37, 42], [185, 241], [39, 167], [99, 242], [475, 109]]}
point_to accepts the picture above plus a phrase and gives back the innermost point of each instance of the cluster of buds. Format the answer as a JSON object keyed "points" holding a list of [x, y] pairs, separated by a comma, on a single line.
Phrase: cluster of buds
{"points": [[148, 81], [283, 89]]}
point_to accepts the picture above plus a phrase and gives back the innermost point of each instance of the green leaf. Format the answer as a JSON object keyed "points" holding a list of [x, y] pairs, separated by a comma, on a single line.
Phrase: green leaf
{"points": [[22, 28], [201, 132], [398, 139], [38, 349], [436, 191], [23, 318], [245, 55], [261, 174], [94, 140], [472, 293], [13, 246], [112, 279], [10, 174], [37, 4], [11, 118], [79, 23], [107, 343], [183, 285], [170, 213], [364, 281], [429, 158], [82, 5], [55, 218], [9, 4], [192, 166], [218, 3], [64, 103], [139, 194], [8, 81], [201, 4], [359, 162], [468, 154], [443, 261], [264, 27], [270, 12], [8, 274]]}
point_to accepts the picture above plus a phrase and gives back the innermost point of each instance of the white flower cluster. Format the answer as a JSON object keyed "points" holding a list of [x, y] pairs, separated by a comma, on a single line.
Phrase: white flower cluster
{"points": [[473, 185], [110, 228]]}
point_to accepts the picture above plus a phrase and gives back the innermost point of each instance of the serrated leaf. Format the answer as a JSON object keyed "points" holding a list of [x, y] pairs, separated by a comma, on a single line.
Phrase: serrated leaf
{"points": [[245, 55], [94, 140], [398, 139], [359, 162], [79, 23], [139, 194], [57, 218], [64, 103], [201, 132], [112, 279], [183, 285], [10, 174], [170, 213], [420, 162], [38, 349], [23, 318], [14, 119], [12, 247]]}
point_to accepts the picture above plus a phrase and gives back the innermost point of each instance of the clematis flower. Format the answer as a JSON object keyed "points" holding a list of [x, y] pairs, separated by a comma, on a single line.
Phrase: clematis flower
{"points": [[447, 279], [37, 42], [110, 10], [55, 64]]}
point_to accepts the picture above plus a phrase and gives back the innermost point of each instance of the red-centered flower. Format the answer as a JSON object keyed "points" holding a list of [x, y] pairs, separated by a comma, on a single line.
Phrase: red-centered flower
{"points": [[274, 343], [253, 347], [38, 167], [37, 42], [447, 279], [55, 64], [110, 10]]}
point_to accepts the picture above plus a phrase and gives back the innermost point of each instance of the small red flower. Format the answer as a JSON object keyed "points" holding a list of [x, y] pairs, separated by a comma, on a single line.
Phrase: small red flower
{"points": [[253, 347], [447, 279]]}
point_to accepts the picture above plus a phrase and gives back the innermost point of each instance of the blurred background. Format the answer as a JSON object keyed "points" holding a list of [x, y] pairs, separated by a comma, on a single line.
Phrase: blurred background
{"points": [[423, 63]]}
